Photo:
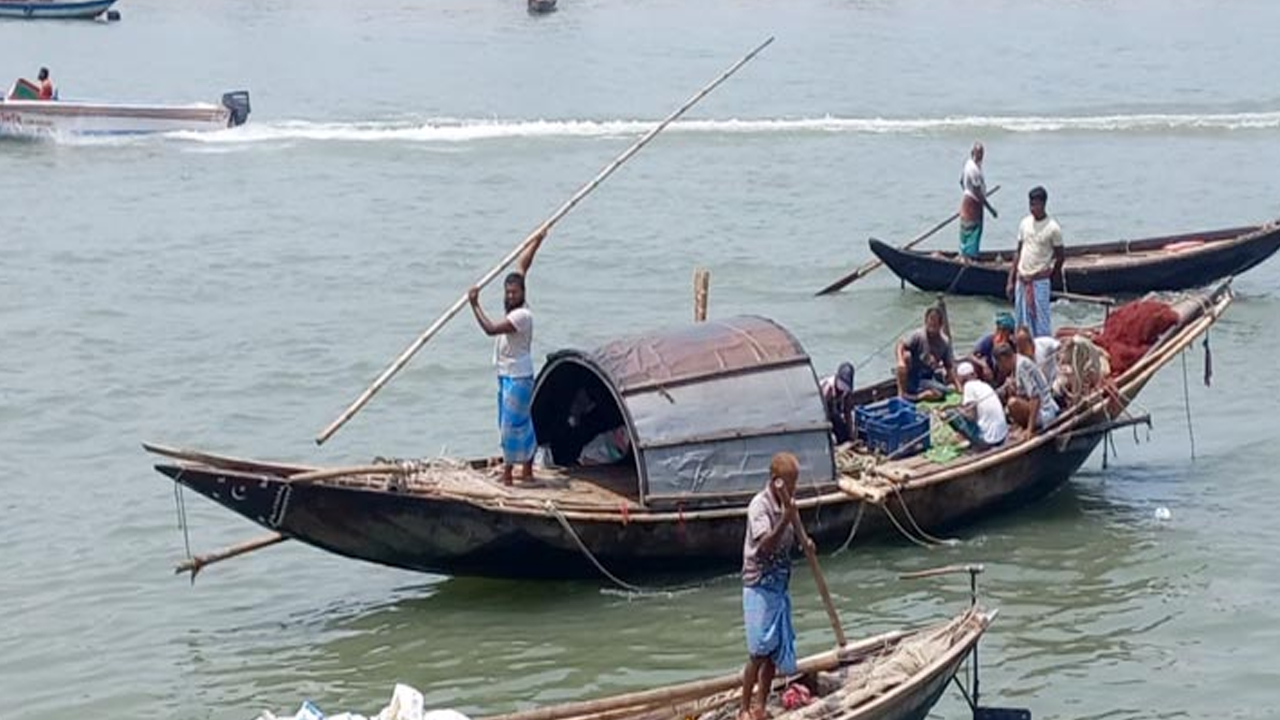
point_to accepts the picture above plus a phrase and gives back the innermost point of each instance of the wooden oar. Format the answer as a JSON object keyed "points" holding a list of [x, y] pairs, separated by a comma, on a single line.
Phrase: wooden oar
{"points": [[199, 562], [820, 579], [866, 269], [515, 253]]}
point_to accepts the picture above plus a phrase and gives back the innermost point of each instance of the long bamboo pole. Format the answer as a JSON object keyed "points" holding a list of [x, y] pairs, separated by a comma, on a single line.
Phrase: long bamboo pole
{"points": [[821, 581], [199, 562], [866, 268], [564, 209]]}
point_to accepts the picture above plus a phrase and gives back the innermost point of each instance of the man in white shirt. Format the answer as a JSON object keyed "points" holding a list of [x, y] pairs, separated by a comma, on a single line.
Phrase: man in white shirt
{"points": [[1038, 259], [981, 415], [513, 357], [973, 202]]}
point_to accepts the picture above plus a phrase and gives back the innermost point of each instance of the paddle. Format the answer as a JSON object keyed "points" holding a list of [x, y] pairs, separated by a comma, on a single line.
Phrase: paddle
{"points": [[817, 574], [866, 269], [462, 302]]}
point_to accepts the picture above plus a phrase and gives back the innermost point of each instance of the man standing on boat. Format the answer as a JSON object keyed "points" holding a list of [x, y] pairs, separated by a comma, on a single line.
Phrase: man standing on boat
{"points": [[837, 399], [973, 202], [513, 357], [1038, 259], [766, 574]]}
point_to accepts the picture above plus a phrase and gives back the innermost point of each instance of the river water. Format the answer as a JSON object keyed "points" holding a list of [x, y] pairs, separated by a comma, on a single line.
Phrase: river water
{"points": [[234, 291]]}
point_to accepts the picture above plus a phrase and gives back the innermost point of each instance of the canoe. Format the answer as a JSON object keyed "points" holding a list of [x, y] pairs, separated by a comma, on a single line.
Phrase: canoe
{"points": [[702, 409], [53, 118], [50, 9], [1122, 268], [894, 676], [538, 7]]}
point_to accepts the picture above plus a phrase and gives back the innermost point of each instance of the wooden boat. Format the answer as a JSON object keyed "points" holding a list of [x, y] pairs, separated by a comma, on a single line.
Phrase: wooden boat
{"points": [[1126, 267], [895, 676], [703, 408], [52, 9], [539, 7], [27, 118]]}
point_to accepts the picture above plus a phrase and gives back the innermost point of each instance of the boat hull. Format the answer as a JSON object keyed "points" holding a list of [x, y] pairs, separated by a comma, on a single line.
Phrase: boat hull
{"points": [[32, 118], [55, 10], [1111, 269]]}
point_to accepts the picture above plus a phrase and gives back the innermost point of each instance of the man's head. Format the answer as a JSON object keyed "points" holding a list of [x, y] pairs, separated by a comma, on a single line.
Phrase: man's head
{"points": [[965, 371], [1025, 343], [1038, 198], [1004, 323], [784, 469], [44, 74], [1006, 360], [844, 378], [977, 151], [513, 291], [933, 322]]}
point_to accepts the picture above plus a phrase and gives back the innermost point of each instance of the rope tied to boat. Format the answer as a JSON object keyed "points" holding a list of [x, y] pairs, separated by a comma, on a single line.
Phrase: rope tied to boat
{"points": [[1186, 400]]}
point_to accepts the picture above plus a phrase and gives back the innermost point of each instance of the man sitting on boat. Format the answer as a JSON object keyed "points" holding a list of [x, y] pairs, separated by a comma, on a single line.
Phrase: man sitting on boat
{"points": [[837, 398], [973, 201], [766, 574], [926, 365], [513, 357], [981, 416], [983, 357], [1042, 350], [1030, 403], [47, 91], [1037, 260]]}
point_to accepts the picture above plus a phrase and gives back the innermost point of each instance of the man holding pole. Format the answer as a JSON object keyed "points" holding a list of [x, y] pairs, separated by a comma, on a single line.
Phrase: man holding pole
{"points": [[513, 357], [772, 519], [973, 202]]}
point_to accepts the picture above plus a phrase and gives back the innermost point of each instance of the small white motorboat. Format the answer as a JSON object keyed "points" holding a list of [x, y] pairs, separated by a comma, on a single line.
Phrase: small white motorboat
{"points": [[21, 115]]}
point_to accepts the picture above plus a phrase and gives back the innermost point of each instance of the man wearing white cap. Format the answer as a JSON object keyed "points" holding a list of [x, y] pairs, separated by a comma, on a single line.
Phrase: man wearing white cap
{"points": [[981, 417]]}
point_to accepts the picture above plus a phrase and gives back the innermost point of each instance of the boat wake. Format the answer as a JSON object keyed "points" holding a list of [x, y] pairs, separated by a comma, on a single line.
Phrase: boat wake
{"points": [[453, 131]]}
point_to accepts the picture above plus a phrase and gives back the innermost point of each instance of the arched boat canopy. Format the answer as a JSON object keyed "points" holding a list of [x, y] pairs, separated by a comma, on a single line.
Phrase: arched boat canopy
{"points": [[699, 411]]}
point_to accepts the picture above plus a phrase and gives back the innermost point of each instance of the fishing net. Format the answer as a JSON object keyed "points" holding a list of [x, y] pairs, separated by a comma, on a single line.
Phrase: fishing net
{"points": [[1132, 329]]}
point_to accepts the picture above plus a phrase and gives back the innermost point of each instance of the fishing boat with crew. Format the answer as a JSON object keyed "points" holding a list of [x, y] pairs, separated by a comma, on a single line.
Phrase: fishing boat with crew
{"points": [[654, 445], [24, 115], [1109, 269]]}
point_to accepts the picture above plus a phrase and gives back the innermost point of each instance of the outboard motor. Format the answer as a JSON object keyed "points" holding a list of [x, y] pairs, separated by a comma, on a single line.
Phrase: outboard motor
{"points": [[238, 103]]}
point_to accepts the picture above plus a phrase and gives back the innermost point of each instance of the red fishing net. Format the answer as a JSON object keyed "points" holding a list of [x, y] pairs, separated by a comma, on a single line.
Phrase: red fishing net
{"points": [[1132, 329]]}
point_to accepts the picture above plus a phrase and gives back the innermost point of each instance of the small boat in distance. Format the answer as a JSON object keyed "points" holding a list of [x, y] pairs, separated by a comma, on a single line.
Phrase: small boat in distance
{"points": [[51, 9], [541, 7], [21, 115], [1124, 267]]}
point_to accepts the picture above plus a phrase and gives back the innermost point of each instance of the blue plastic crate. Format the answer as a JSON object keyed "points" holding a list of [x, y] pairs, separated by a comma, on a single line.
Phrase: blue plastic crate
{"points": [[891, 426]]}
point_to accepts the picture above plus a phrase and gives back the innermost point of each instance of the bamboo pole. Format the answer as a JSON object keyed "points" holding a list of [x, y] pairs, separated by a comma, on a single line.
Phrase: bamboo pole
{"points": [[199, 562], [701, 293], [820, 579], [866, 268], [546, 225]]}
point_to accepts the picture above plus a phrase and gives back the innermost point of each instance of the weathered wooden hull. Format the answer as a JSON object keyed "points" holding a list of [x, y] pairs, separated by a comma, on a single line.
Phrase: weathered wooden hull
{"points": [[46, 10], [1118, 268], [378, 520], [459, 538]]}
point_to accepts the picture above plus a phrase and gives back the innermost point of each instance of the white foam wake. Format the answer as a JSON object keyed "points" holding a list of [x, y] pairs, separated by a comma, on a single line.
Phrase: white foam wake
{"points": [[448, 130]]}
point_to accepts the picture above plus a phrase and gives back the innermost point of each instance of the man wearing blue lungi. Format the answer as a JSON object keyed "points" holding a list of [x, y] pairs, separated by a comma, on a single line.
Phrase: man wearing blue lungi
{"points": [[766, 573], [513, 357], [1036, 262]]}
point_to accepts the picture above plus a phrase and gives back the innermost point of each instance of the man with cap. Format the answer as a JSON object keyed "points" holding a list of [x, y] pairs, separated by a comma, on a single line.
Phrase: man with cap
{"points": [[983, 357], [980, 417], [837, 398], [1036, 262]]}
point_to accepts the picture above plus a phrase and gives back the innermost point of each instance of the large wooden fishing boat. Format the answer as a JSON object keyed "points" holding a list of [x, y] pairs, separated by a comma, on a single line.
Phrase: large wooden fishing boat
{"points": [[700, 411], [1126, 267]]}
